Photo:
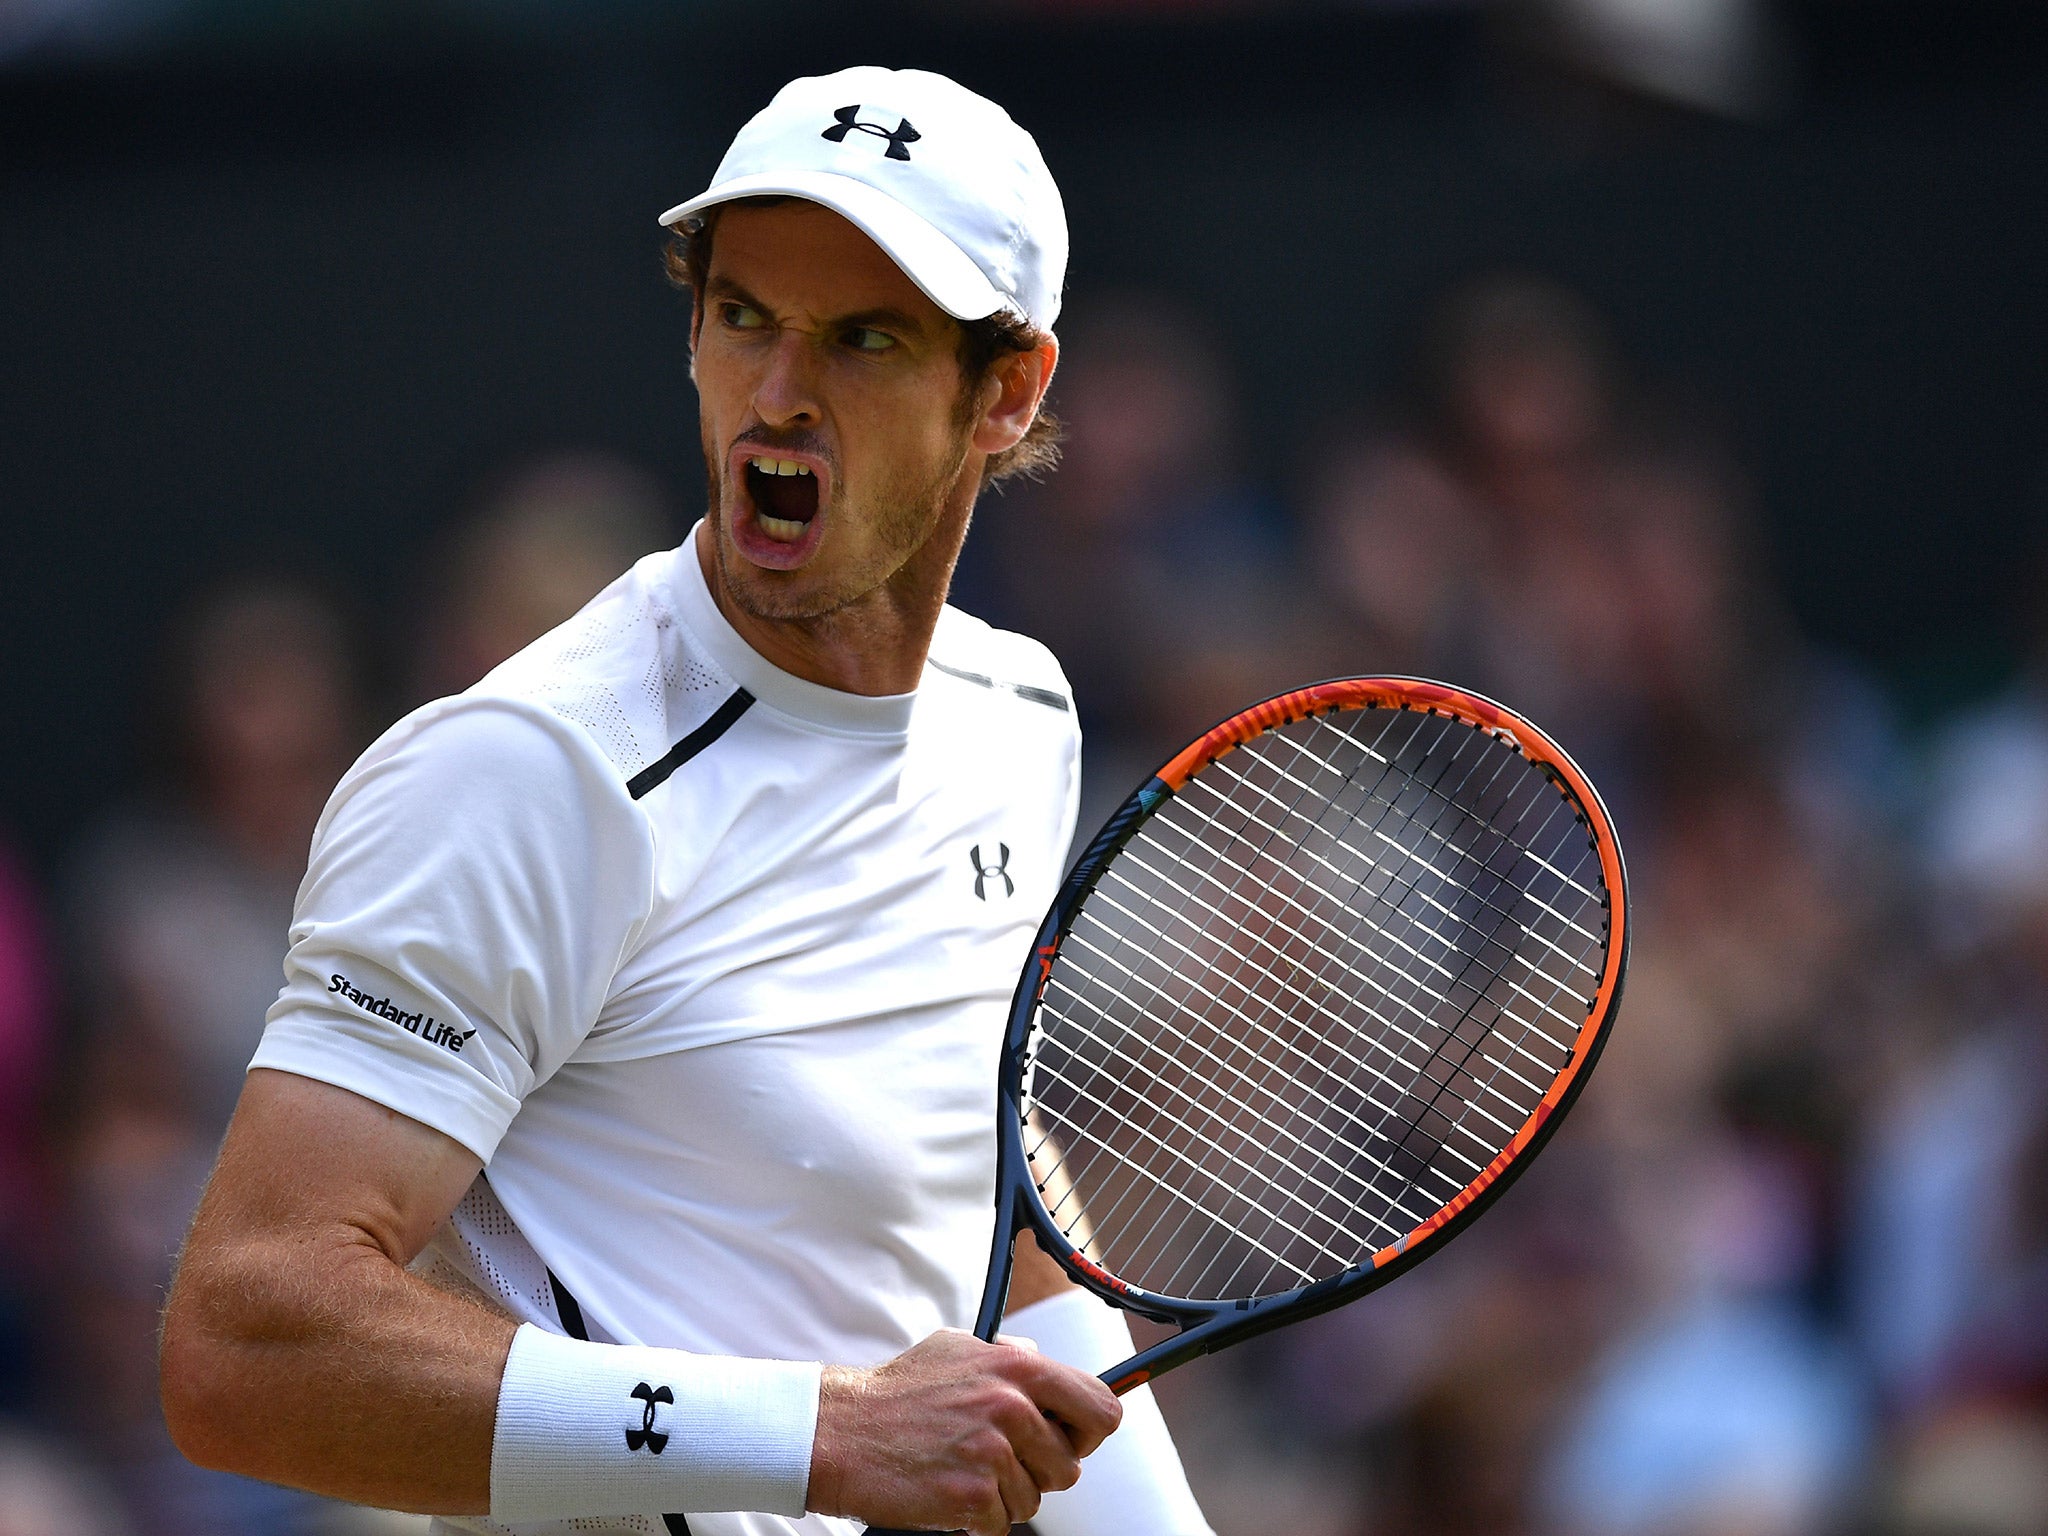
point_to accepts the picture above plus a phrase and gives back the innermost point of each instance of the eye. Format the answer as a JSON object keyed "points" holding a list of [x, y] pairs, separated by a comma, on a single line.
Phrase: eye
{"points": [[741, 317], [865, 338]]}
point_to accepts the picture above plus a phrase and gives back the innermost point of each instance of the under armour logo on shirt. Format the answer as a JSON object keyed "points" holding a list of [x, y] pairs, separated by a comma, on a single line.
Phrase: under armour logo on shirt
{"points": [[849, 122], [647, 1437], [983, 873]]}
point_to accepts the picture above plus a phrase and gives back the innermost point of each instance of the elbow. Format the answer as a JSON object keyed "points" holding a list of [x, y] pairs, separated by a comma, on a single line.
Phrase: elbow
{"points": [[183, 1373], [194, 1376]]}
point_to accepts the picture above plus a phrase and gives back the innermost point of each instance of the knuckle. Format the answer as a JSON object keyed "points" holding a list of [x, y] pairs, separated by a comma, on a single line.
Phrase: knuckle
{"points": [[963, 1487], [1014, 1360], [966, 1500], [1013, 1413], [988, 1448], [985, 1513]]}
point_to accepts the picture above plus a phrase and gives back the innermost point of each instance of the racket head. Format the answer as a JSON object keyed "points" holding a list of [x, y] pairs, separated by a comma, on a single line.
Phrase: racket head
{"points": [[1318, 991]]}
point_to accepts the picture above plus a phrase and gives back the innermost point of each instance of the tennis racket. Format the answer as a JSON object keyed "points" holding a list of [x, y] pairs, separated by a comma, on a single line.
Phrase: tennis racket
{"points": [[1314, 996]]}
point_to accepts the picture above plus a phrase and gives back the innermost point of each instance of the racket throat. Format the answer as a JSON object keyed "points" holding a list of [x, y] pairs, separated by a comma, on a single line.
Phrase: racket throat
{"points": [[1177, 1350]]}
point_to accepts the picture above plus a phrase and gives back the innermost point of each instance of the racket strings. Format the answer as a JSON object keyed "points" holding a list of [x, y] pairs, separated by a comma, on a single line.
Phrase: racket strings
{"points": [[1270, 1119], [1217, 859], [1326, 1188], [1319, 992], [1268, 973], [1316, 1193], [1417, 1123], [1516, 835], [1412, 888], [1319, 1184], [1513, 832], [1416, 953]]}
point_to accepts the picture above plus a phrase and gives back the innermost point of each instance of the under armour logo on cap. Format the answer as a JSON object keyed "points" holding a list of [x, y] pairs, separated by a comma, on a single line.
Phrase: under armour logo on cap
{"points": [[647, 1437], [849, 121], [962, 202]]}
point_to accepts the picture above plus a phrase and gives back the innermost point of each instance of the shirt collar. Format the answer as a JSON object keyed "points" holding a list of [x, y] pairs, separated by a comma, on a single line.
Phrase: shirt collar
{"points": [[863, 714]]}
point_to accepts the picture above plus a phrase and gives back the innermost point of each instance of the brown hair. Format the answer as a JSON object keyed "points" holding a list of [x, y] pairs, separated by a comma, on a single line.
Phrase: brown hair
{"points": [[984, 345]]}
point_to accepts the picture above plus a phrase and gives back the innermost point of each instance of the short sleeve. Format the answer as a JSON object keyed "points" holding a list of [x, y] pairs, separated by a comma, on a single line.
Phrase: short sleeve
{"points": [[475, 882]]}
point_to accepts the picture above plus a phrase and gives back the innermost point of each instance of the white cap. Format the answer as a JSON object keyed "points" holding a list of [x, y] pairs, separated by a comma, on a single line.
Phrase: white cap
{"points": [[938, 177]]}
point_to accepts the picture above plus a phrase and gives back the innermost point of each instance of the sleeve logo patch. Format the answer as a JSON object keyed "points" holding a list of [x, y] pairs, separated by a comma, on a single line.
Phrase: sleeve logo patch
{"points": [[431, 1030]]}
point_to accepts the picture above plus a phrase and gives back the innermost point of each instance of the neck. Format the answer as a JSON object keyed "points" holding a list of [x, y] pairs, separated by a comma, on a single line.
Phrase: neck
{"points": [[876, 644]]}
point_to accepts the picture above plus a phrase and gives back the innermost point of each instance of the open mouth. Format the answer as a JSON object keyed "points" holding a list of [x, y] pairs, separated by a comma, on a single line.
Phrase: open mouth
{"points": [[784, 494]]}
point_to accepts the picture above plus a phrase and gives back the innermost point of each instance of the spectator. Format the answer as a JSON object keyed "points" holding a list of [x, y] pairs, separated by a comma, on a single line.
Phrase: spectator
{"points": [[1960, 1141], [547, 537], [1152, 566], [181, 899], [178, 916], [1512, 527], [1596, 1361], [44, 1492]]}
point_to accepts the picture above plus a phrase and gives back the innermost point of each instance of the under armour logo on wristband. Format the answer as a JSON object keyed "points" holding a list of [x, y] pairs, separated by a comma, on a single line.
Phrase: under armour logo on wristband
{"points": [[647, 1437], [849, 122], [1000, 870]]}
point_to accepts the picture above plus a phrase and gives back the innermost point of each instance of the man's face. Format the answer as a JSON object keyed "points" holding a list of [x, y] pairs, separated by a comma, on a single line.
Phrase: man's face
{"points": [[831, 409]]}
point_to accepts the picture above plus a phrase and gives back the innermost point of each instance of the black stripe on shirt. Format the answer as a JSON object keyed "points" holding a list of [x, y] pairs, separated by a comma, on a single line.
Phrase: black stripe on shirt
{"points": [[721, 721], [1046, 696], [567, 1310], [571, 1313]]}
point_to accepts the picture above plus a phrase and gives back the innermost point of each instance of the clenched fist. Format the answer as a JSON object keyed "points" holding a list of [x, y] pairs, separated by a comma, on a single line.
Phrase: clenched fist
{"points": [[954, 1435]]}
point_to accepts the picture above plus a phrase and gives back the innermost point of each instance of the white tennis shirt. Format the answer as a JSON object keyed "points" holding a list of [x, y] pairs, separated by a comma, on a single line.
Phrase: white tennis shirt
{"points": [[709, 964]]}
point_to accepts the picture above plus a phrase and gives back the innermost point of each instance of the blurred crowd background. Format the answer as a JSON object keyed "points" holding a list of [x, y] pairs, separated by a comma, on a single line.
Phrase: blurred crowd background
{"points": [[1673, 370]]}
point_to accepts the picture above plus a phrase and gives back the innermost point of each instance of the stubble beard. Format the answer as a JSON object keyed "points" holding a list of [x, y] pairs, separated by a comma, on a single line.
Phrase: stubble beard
{"points": [[905, 515]]}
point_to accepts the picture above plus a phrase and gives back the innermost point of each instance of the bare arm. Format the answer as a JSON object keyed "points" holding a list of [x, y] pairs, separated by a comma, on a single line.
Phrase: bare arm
{"points": [[1036, 1277], [296, 1346]]}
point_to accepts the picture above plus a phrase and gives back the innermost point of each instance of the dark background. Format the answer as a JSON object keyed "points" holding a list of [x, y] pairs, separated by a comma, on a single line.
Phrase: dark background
{"points": [[276, 293], [368, 294]]}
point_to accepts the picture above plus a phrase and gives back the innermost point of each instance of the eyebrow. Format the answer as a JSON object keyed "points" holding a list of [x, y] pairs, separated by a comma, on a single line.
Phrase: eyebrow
{"points": [[886, 317]]}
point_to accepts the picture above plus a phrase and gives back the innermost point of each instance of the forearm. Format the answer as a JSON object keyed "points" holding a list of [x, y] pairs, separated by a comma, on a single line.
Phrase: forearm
{"points": [[313, 1358], [297, 1348], [1034, 1276]]}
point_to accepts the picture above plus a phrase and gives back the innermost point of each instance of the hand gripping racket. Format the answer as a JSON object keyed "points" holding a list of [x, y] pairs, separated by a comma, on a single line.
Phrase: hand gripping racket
{"points": [[1310, 1001]]}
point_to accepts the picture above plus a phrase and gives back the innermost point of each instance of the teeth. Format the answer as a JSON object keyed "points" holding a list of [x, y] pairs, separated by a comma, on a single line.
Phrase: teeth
{"points": [[780, 466], [781, 529]]}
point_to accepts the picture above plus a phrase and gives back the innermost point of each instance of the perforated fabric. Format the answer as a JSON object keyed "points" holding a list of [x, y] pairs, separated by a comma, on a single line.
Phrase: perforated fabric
{"points": [[671, 670], [599, 712], [481, 1247], [611, 1525], [727, 1046], [574, 672], [622, 670], [652, 1525]]}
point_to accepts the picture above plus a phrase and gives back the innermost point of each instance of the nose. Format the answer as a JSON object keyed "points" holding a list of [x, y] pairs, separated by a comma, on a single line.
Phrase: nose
{"points": [[786, 394]]}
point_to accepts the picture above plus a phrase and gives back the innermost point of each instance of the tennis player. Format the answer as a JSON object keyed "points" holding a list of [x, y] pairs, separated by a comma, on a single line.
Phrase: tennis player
{"points": [[619, 1155]]}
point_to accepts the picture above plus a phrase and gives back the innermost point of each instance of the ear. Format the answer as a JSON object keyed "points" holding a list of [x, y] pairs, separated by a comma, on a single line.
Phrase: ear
{"points": [[696, 327], [1019, 383]]}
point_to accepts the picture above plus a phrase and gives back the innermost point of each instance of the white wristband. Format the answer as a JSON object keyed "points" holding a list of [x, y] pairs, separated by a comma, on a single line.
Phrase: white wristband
{"points": [[622, 1429], [1134, 1484]]}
